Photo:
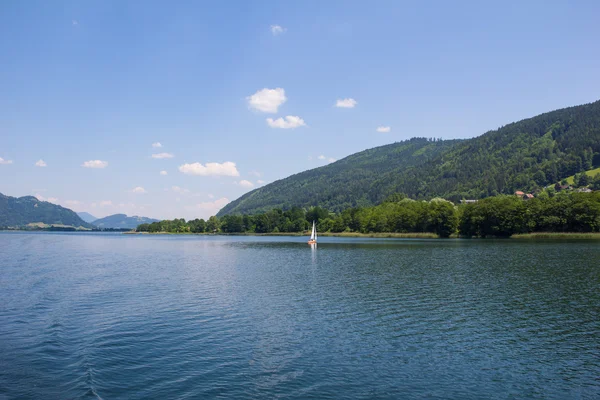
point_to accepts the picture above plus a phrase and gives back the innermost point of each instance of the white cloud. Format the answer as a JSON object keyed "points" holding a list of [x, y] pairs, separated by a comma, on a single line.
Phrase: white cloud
{"points": [[40, 163], [212, 206], [156, 145], [328, 159], [106, 203], [255, 173], [277, 30], [49, 199], [211, 196], [163, 173], [267, 100], [74, 22], [346, 103], [180, 190], [290, 122], [95, 164], [245, 184], [138, 190], [73, 202], [384, 129], [260, 182], [162, 155], [227, 168], [3, 161]]}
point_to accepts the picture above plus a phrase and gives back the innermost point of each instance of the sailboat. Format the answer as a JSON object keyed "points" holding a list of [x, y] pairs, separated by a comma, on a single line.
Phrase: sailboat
{"points": [[313, 235]]}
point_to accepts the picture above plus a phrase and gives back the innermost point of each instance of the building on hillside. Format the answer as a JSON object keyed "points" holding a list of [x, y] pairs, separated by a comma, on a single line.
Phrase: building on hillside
{"points": [[528, 196], [519, 193], [584, 190], [468, 201], [560, 187]]}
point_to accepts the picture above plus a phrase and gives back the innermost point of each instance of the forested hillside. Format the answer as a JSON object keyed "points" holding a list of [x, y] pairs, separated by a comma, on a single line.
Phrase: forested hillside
{"points": [[122, 221], [349, 182], [525, 155], [18, 212]]}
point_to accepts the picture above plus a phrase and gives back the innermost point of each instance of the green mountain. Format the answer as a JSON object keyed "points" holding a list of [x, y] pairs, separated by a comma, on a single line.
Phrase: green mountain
{"points": [[87, 217], [524, 155], [19, 212], [122, 221]]}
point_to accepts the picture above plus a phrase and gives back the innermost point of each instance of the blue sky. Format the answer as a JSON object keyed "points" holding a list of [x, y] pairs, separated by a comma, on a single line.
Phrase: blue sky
{"points": [[102, 81]]}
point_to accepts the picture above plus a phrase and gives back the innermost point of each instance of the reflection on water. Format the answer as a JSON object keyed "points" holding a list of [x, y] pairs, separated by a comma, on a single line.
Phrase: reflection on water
{"points": [[120, 316]]}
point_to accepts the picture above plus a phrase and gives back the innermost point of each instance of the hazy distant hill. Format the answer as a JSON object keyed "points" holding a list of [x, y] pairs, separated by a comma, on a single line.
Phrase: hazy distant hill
{"points": [[122, 221], [18, 212], [524, 155], [87, 217]]}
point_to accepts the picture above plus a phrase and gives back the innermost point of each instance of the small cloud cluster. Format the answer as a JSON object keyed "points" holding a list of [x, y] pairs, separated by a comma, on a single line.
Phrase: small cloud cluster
{"points": [[328, 159], [138, 190], [162, 155], [156, 145], [5, 162], [277, 30], [163, 173], [48, 199], [40, 163], [95, 164], [290, 122], [269, 101], [245, 184], [346, 103], [383, 129], [227, 168]]}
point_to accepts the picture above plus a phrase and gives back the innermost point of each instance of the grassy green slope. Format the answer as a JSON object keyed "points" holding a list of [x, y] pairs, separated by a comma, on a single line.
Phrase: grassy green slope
{"points": [[591, 173]]}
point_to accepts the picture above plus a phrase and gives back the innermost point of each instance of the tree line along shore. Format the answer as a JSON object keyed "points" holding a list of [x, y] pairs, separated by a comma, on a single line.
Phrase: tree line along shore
{"points": [[551, 214]]}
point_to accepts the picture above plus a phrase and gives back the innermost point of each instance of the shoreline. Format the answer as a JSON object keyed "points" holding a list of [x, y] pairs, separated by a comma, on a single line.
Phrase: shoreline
{"points": [[375, 235], [392, 235], [557, 235], [417, 235]]}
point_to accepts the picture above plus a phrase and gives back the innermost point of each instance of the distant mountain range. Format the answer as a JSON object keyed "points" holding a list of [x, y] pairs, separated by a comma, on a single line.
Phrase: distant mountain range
{"points": [[87, 217], [122, 221], [525, 155], [22, 211]]}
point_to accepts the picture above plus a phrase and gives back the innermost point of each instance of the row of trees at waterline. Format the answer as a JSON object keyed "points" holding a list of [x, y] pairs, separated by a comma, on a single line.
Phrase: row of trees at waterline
{"points": [[498, 216]]}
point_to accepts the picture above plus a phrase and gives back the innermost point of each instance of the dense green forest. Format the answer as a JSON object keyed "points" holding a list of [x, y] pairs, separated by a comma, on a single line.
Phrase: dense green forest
{"points": [[498, 216], [18, 212], [526, 155]]}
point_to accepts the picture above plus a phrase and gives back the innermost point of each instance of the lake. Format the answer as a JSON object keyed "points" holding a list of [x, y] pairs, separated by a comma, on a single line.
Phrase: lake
{"points": [[109, 316]]}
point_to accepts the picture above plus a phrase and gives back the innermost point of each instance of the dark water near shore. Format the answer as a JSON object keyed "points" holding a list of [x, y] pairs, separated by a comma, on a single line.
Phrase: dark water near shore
{"points": [[121, 316]]}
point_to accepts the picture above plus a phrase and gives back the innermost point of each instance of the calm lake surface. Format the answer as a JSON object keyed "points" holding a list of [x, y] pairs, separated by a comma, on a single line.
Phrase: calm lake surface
{"points": [[138, 317]]}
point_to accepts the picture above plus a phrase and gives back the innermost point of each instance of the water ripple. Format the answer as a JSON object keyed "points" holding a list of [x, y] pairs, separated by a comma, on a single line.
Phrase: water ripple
{"points": [[118, 316]]}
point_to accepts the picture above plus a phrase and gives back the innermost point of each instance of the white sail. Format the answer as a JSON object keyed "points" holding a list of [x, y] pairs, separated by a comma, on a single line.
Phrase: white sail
{"points": [[313, 235]]}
